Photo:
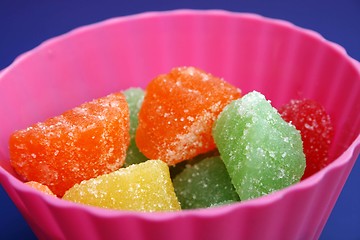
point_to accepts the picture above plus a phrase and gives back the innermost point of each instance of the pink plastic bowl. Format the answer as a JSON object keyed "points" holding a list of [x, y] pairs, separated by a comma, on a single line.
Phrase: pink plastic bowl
{"points": [[255, 53]]}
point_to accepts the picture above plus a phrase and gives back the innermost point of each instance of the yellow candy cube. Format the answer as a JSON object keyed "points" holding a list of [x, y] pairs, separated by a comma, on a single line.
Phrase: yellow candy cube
{"points": [[140, 187]]}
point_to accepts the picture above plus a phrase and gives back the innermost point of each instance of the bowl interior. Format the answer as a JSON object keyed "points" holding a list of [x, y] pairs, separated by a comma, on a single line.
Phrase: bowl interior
{"points": [[274, 57]]}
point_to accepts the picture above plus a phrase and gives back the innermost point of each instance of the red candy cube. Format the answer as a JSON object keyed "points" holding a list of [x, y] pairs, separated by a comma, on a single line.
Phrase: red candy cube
{"points": [[314, 123]]}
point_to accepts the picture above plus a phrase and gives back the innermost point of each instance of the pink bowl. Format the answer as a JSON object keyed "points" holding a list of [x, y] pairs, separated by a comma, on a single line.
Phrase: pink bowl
{"points": [[255, 53]]}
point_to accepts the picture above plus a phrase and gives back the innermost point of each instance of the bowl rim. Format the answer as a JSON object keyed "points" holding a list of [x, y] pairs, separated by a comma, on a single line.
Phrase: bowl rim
{"points": [[351, 152]]}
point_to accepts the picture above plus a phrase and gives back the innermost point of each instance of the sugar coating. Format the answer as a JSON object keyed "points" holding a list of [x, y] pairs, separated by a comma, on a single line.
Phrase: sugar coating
{"points": [[178, 112], [82, 143], [317, 131], [145, 187], [134, 98], [178, 168], [204, 184], [41, 187], [261, 151]]}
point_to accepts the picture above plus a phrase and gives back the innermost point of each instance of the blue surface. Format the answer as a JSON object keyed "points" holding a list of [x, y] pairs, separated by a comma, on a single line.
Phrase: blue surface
{"points": [[25, 24]]}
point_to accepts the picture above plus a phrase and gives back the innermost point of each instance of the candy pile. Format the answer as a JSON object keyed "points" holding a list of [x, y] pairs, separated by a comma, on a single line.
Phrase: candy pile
{"points": [[189, 140]]}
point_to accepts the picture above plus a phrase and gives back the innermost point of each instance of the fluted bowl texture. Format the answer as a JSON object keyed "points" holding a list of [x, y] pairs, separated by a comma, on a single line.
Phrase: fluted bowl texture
{"points": [[274, 57]]}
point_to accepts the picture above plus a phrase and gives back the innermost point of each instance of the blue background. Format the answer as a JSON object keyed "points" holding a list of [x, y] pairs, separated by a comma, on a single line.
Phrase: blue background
{"points": [[25, 24]]}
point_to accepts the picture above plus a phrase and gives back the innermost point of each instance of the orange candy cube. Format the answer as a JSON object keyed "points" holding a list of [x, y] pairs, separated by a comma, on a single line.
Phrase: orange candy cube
{"points": [[40, 187], [178, 112], [82, 143]]}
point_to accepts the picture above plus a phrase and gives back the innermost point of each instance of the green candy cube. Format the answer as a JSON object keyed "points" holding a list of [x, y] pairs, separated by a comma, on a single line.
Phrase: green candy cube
{"points": [[261, 151], [203, 184], [134, 98]]}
